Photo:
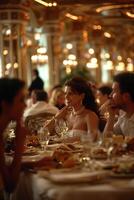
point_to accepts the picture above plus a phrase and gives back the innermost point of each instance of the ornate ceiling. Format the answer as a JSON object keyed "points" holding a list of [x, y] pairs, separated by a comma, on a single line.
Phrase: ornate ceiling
{"points": [[96, 17]]}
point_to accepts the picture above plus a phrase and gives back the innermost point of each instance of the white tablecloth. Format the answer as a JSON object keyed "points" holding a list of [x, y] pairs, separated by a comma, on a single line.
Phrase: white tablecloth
{"points": [[115, 189]]}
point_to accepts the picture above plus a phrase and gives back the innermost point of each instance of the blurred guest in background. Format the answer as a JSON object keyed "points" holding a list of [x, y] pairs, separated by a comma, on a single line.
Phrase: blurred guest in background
{"points": [[40, 104], [122, 98], [102, 96], [37, 83], [58, 98], [12, 104], [103, 93]]}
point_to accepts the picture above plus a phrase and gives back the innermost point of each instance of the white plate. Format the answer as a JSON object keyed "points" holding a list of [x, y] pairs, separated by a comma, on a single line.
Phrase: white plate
{"points": [[122, 175], [77, 177]]}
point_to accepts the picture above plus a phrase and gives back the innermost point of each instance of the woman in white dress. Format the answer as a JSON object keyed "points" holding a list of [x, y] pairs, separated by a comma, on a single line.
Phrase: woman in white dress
{"points": [[80, 112]]}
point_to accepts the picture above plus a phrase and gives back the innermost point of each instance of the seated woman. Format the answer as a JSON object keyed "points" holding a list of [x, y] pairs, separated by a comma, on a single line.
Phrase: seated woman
{"points": [[58, 98], [80, 111], [12, 104]]}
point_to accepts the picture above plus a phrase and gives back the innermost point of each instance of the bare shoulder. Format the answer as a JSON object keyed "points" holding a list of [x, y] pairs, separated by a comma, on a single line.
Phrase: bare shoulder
{"points": [[91, 115]]}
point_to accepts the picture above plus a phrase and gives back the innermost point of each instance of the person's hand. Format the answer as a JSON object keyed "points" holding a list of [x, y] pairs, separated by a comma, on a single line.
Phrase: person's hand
{"points": [[63, 112], [112, 108], [109, 107]]}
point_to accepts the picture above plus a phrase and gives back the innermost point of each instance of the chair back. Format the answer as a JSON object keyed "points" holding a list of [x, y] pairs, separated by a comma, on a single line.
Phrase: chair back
{"points": [[35, 122]]}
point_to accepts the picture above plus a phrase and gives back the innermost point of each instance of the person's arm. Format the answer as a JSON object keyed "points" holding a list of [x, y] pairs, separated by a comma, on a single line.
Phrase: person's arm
{"points": [[60, 115], [92, 121], [110, 121], [10, 173]]}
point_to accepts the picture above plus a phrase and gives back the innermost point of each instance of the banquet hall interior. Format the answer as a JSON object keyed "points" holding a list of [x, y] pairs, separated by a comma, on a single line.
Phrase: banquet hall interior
{"points": [[63, 153]]}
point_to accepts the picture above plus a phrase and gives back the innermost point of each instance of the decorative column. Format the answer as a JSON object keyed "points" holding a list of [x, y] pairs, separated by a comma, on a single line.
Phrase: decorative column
{"points": [[52, 29], [14, 16]]}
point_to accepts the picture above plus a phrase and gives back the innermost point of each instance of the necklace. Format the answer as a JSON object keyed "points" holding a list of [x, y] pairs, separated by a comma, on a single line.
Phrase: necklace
{"points": [[79, 112]]}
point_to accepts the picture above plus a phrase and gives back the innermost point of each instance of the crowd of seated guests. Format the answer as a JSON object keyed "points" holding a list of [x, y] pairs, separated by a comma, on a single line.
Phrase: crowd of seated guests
{"points": [[78, 101], [79, 110], [40, 104]]}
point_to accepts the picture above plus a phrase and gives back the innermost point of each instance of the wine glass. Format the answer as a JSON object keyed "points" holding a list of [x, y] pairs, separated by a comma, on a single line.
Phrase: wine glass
{"points": [[61, 127], [43, 135]]}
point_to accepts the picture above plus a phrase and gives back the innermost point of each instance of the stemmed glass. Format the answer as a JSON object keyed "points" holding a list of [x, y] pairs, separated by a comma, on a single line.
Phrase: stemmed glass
{"points": [[61, 127], [44, 136]]}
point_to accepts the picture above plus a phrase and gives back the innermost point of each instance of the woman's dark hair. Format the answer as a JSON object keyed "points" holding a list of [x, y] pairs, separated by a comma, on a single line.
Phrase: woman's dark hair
{"points": [[105, 89], [9, 88], [126, 82], [80, 85]]}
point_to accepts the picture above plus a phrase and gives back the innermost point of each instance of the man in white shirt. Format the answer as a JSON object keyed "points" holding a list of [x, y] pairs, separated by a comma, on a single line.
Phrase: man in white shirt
{"points": [[40, 104], [122, 98]]}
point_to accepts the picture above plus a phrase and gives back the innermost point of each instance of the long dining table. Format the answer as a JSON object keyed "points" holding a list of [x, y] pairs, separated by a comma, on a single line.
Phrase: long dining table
{"points": [[90, 181]]}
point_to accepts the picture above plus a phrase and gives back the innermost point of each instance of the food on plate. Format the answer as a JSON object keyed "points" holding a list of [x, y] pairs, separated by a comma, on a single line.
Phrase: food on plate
{"points": [[125, 168], [69, 147], [118, 150], [32, 140], [61, 156], [65, 158], [70, 162], [46, 163], [130, 144], [99, 153]]}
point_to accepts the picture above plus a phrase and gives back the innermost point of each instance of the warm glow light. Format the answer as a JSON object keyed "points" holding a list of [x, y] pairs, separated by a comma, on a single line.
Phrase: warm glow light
{"points": [[72, 57], [108, 65], [109, 7], [70, 62], [39, 59], [129, 14], [120, 66], [45, 3], [130, 67], [50, 4], [107, 55], [42, 50], [94, 60], [91, 65], [8, 65], [95, 27], [42, 2], [68, 70], [106, 34], [119, 58], [74, 17], [5, 52], [54, 4], [16, 65], [37, 36], [8, 31], [6, 72], [69, 46], [29, 42], [34, 58], [129, 59], [91, 51]]}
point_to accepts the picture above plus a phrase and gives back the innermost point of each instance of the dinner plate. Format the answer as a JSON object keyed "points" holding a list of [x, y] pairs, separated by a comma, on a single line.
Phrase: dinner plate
{"points": [[122, 175], [77, 177]]}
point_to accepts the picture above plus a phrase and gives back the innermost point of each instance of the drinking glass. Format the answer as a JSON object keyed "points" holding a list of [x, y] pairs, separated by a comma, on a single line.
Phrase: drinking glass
{"points": [[61, 127], [43, 135]]}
